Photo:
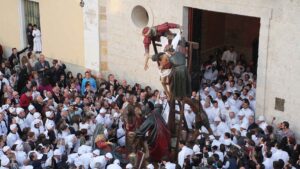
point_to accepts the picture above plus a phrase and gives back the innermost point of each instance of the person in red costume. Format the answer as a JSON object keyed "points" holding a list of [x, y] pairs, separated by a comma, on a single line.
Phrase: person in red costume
{"points": [[154, 33], [158, 135]]}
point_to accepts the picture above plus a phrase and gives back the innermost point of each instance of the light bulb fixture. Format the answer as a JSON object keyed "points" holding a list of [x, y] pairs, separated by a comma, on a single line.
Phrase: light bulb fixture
{"points": [[81, 3]]}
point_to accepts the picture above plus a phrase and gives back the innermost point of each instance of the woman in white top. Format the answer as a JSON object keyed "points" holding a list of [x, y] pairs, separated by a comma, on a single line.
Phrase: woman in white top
{"points": [[37, 41]]}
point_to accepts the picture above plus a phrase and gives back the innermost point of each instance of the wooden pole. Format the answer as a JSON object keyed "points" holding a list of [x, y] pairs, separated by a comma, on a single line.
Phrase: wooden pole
{"points": [[180, 124]]}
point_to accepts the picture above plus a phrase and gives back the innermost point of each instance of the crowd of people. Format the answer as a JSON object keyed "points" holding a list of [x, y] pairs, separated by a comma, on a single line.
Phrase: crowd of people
{"points": [[50, 118]]}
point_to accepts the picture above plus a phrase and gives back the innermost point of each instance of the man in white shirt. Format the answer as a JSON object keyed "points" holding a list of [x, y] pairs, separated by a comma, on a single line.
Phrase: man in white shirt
{"points": [[252, 101], [232, 119], [242, 120], [262, 123], [235, 101], [280, 154], [29, 118], [189, 116], [21, 118], [184, 153], [268, 162], [230, 55], [101, 116], [13, 136], [214, 112], [168, 165], [246, 110], [221, 127]]}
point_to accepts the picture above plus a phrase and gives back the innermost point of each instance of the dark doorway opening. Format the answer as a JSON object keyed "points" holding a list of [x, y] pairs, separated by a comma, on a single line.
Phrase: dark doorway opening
{"points": [[216, 31]]}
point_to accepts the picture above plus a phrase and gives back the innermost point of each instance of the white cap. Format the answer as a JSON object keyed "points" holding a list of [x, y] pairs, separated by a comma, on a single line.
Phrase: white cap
{"points": [[57, 152], [196, 149], [19, 110], [12, 109], [30, 107], [108, 155], [5, 149], [48, 113], [36, 115], [129, 166], [150, 166], [4, 160], [96, 152], [102, 110], [241, 113], [117, 161], [217, 118], [227, 104], [206, 89], [13, 126], [261, 118]]}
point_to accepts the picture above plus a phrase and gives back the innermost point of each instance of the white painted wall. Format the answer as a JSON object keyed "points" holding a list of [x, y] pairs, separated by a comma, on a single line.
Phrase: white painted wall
{"points": [[91, 35]]}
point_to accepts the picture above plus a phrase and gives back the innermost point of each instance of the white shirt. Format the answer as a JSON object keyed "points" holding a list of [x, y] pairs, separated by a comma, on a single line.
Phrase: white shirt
{"points": [[37, 131], [221, 129], [232, 121], [100, 119], [190, 119], [121, 136], [49, 121], [29, 119], [268, 163], [212, 113], [252, 105], [185, 151], [166, 110], [85, 159], [3, 128], [235, 103], [170, 165], [229, 56], [12, 138], [20, 157], [248, 112], [22, 123], [280, 154], [263, 125]]}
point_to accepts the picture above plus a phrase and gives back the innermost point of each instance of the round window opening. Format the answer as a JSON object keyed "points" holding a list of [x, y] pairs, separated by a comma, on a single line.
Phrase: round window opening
{"points": [[139, 16]]}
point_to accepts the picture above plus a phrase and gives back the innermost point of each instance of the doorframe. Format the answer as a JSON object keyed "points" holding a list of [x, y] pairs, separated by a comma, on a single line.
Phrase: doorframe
{"points": [[265, 15]]}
